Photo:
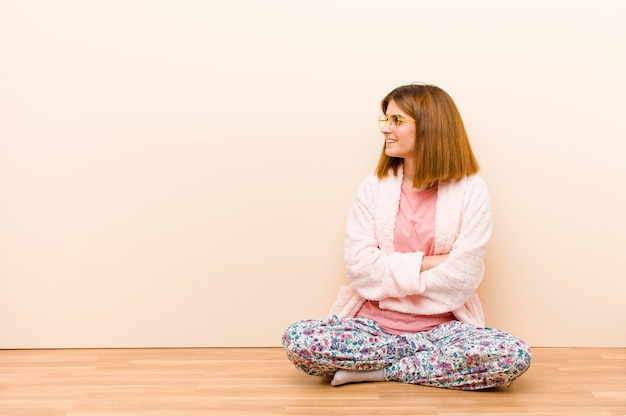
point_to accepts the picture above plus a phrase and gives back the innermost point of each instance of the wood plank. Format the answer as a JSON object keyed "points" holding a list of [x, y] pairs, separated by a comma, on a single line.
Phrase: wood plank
{"points": [[260, 381]]}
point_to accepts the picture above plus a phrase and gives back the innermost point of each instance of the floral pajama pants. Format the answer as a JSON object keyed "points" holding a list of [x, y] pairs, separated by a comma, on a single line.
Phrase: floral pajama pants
{"points": [[454, 354]]}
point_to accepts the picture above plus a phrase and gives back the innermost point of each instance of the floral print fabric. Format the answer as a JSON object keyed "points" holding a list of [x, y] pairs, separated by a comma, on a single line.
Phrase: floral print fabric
{"points": [[454, 355]]}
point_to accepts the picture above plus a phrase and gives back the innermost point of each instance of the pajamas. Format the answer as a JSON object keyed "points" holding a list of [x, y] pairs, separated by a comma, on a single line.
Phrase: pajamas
{"points": [[454, 355]]}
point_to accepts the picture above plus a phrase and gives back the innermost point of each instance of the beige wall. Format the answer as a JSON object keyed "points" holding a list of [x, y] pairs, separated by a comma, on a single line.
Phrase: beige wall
{"points": [[177, 173]]}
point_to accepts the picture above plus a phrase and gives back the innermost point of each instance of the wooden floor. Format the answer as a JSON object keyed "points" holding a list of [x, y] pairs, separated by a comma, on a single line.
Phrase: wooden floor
{"points": [[260, 381]]}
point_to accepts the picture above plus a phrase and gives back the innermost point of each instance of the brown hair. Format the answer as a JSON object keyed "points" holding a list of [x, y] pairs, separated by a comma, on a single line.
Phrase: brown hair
{"points": [[442, 148]]}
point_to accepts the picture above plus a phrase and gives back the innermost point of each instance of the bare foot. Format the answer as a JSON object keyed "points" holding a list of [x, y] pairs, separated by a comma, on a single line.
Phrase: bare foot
{"points": [[351, 376]]}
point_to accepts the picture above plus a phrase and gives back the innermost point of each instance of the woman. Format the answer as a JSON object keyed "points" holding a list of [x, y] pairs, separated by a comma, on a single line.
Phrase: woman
{"points": [[416, 236]]}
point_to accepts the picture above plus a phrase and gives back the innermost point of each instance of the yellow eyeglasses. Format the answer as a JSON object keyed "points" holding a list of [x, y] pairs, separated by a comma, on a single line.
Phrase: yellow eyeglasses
{"points": [[393, 120]]}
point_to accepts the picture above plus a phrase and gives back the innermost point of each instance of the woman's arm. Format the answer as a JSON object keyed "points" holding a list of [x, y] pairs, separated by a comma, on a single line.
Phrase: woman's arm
{"points": [[450, 284], [374, 274], [430, 262], [442, 282]]}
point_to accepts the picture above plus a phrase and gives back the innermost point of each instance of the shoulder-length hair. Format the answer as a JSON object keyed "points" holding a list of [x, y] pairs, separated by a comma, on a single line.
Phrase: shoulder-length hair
{"points": [[442, 149]]}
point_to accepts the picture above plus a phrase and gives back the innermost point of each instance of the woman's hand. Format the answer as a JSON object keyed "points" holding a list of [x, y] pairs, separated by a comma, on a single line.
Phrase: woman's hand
{"points": [[429, 262]]}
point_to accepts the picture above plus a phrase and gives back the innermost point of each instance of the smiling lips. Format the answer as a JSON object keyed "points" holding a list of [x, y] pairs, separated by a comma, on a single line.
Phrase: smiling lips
{"points": [[391, 141]]}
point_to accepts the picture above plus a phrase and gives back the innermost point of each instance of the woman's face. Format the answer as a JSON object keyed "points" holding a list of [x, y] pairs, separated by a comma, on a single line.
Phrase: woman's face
{"points": [[400, 142]]}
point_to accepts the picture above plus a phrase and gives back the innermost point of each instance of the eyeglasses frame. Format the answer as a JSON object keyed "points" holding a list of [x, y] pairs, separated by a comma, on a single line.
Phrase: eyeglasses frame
{"points": [[401, 119]]}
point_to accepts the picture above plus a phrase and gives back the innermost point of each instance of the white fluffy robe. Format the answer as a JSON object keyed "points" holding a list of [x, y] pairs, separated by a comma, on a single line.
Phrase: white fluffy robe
{"points": [[462, 229]]}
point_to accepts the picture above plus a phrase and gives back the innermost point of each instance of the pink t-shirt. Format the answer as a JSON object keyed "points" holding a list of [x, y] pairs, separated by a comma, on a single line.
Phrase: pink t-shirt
{"points": [[414, 232]]}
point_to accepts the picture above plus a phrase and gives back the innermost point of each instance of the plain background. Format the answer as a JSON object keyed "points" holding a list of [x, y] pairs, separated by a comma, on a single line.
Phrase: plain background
{"points": [[178, 173]]}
